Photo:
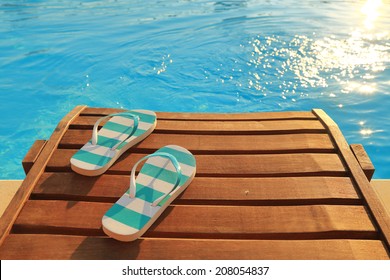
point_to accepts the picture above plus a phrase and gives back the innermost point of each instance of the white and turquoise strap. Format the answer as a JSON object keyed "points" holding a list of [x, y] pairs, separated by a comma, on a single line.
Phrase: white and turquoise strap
{"points": [[95, 128], [175, 163]]}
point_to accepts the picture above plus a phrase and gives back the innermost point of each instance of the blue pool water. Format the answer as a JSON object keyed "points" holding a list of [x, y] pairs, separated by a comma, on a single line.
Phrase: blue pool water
{"points": [[194, 56]]}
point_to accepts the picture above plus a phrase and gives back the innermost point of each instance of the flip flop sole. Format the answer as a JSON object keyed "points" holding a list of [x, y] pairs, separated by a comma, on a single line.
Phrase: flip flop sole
{"points": [[94, 160], [129, 218]]}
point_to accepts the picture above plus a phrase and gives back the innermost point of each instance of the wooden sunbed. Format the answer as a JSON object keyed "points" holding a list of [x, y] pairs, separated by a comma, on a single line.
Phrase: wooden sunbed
{"points": [[283, 185]]}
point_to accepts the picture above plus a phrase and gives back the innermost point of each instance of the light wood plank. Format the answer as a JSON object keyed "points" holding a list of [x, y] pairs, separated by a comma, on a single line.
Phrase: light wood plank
{"points": [[249, 222], [218, 127], [23, 193], [363, 159], [208, 190], [283, 143], [232, 165], [41, 246], [378, 210]]}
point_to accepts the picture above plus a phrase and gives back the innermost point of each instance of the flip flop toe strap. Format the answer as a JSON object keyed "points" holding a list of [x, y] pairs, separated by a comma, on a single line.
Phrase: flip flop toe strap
{"points": [[175, 163], [95, 136]]}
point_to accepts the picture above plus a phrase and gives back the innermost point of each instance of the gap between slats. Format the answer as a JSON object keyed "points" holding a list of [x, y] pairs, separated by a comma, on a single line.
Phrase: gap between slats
{"points": [[226, 175], [221, 127], [211, 202], [216, 117], [220, 132], [352, 235]]}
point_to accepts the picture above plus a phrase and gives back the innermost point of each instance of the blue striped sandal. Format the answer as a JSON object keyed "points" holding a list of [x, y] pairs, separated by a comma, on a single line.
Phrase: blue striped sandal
{"points": [[165, 174], [121, 132]]}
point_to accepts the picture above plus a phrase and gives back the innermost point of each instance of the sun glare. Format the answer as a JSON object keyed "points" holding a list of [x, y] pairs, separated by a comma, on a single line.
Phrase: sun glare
{"points": [[370, 10], [366, 132]]}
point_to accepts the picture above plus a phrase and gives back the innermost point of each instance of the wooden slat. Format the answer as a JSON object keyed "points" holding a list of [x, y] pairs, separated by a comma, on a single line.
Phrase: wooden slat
{"points": [[232, 165], [219, 127], [41, 246], [242, 126], [255, 222], [237, 116], [379, 212], [208, 116], [363, 159], [33, 154], [24, 191], [283, 143], [209, 190]]}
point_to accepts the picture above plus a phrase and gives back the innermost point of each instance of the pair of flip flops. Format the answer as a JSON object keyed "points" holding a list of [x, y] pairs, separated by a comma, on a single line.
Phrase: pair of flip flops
{"points": [[164, 175]]}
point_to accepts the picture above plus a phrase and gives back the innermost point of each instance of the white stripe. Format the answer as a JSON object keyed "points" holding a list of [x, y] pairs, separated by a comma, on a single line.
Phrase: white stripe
{"points": [[153, 183], [122, 120], [178, 148], [165, 163], [144, 125], [117, 227], [117, 135], [138, 205], [129, 122], [98, 150], [84, 165], [112, 134]]}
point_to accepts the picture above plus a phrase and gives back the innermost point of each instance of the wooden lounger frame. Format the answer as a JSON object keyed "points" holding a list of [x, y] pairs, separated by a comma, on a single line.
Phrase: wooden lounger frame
{"points": [[283, 185]]}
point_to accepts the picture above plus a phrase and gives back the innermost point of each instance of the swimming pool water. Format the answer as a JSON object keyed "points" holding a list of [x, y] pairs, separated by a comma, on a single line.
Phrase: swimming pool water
{"points": [[194, 56]]}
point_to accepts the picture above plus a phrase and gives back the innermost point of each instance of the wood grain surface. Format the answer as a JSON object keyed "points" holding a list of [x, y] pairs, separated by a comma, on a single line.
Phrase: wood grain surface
{"points": [[277, 185]]}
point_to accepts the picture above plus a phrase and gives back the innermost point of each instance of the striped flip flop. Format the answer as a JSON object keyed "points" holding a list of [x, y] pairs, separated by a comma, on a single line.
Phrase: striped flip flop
{"points": [[165, 174], [122, 131]]}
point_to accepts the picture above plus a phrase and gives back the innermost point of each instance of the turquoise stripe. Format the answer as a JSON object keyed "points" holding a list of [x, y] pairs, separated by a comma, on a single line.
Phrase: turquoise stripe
{"points": [[162, 174], [146, 193], [139, 132], [107, 142], [111, 142], [127, 216], [91, 158], [144, 117], [181, 157]]}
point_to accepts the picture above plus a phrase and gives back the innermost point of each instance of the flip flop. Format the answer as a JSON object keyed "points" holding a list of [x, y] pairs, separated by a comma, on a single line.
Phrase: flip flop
{"points": [[165, 174], [122, 131]]}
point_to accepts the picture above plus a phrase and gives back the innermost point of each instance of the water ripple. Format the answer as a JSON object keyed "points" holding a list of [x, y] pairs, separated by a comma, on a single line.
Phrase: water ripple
{"points": [[208, 56]]}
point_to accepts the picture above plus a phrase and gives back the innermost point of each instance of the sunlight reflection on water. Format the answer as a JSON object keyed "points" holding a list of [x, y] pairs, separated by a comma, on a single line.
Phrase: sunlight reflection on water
{"points": [[307, 62]]}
